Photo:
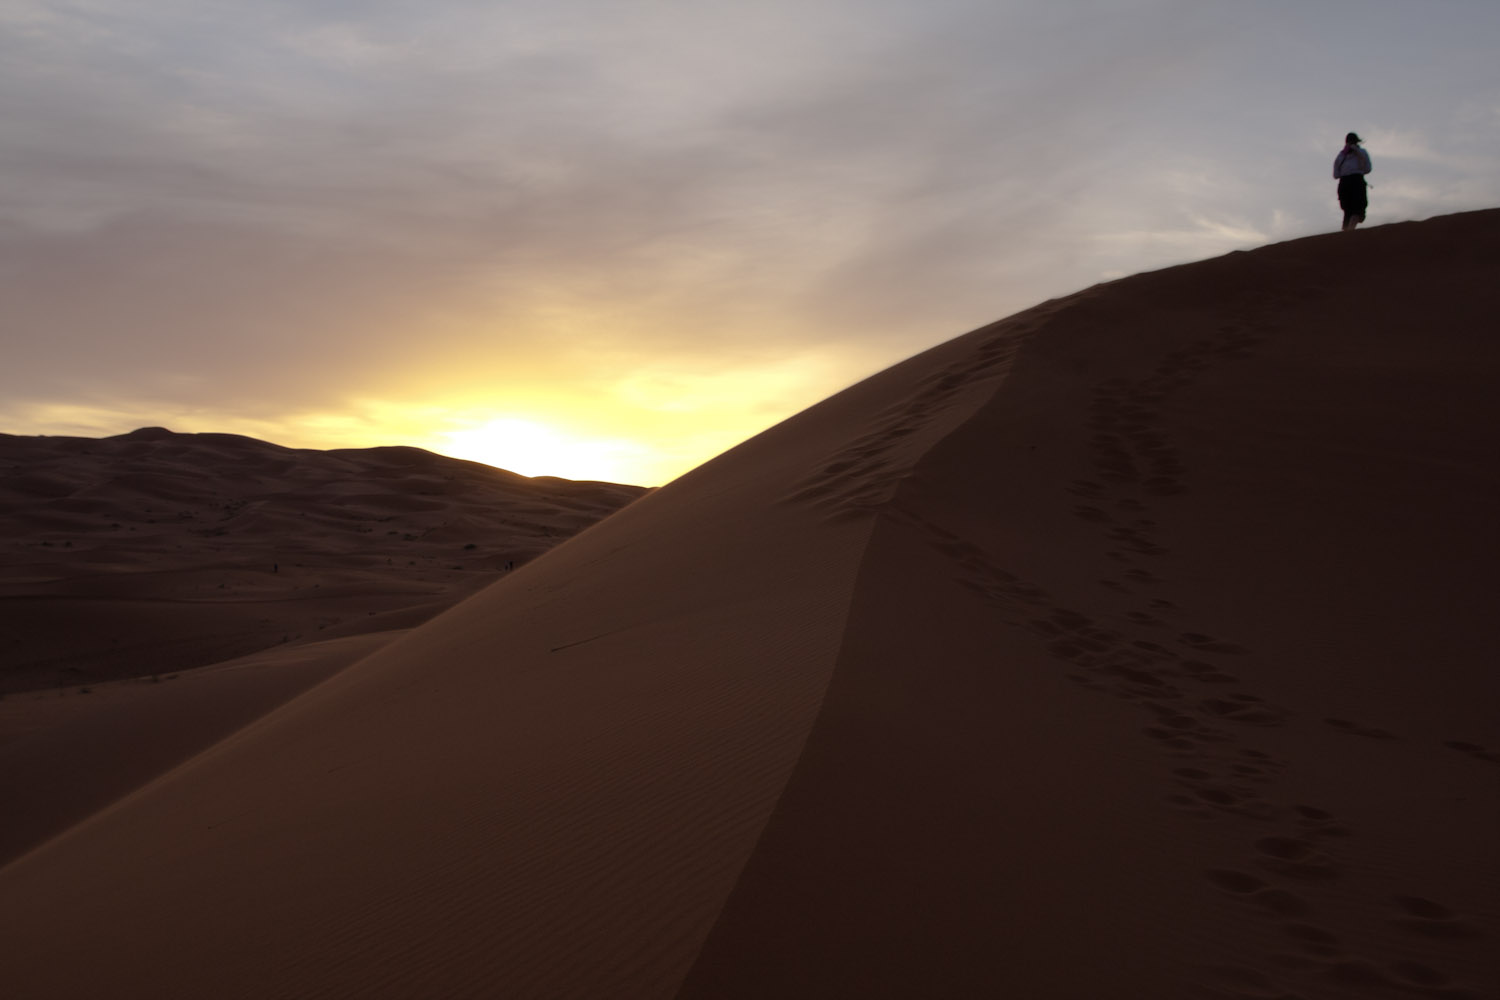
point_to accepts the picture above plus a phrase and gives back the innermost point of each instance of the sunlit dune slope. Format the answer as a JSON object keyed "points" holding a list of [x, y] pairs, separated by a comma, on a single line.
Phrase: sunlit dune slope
{"points": [[153, 552], [1138, 645]]}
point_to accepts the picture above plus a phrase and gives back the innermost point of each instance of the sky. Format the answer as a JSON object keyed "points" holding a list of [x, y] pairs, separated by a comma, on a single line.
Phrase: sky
{"points": [[609, 239]]}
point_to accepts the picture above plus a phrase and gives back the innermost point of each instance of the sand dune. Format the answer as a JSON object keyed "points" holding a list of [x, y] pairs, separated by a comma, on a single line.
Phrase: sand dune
{"points": [[1138, 645], [155, 552], [65, 755]]}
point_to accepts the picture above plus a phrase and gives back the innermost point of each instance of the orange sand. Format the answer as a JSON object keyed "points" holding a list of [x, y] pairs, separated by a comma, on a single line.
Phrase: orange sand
{"points": [[1138, 645]]}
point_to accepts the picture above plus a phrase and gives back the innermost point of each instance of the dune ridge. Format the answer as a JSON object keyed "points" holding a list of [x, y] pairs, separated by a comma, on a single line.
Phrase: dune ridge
{"points": [[1093, 653]]}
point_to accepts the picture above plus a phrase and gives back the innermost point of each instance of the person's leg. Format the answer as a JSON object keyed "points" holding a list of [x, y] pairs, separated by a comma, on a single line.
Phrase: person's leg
{"points": [[1352, 200], [1358, 201]]}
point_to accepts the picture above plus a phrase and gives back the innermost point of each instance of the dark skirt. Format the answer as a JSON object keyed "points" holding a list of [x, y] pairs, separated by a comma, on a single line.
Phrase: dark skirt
{"points": [[1353, 198]]}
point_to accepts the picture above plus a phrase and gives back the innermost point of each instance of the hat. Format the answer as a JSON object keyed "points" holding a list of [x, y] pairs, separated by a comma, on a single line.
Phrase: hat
{"points": [[1351, 137]]}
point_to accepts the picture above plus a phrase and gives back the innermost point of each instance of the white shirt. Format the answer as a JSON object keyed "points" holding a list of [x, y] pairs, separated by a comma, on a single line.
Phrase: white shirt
{"points": [[1351, 160]]}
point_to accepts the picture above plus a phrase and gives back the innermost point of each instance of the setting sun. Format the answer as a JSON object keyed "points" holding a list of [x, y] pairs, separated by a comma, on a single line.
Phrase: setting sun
{"points": [[535, 449]]}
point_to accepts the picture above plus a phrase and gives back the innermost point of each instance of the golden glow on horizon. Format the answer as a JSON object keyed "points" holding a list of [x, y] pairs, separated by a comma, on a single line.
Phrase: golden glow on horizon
{"points": [[532, 448], [646, 425]]}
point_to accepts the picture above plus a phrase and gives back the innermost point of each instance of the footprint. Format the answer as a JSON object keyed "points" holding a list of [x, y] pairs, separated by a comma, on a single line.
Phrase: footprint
{"points": [[1147, 679], [1263, 759], [1070, 620], [1355, 729], [1281, 902], [1431, 919], [1170, 738], [1313, 939], [1191, 806], [1476, 750], [1218, 795], [1425, 979], [1208, 673], [1235, 709], [1253, 889], [1222, 796], [1066, 650], [1320, 822], [1208, 644], [1027, 594], [1238, 882], [1295, 858], [1099, 639], [1086, 488]]}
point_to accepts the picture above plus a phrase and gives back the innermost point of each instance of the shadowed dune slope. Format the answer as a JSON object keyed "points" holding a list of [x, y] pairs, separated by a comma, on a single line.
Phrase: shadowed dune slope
{"points": [[1138, 645], [66, 755]]}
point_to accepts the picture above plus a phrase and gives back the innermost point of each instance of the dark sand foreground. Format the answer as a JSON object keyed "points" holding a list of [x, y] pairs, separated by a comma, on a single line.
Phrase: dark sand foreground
{"points": [[1140, 645]]}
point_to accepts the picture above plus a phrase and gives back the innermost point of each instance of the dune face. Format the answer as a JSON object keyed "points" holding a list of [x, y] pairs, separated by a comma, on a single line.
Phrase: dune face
{"points": [[154, 552], [1138, 645]]}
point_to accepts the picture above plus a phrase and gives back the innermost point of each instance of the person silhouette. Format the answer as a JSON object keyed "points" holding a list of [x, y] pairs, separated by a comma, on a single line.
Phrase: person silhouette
{"points": [[1349, 169]]}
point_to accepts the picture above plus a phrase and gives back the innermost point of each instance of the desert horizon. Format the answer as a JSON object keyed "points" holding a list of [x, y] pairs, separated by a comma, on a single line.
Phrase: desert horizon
{"points": [[1136, 645], [153, 552]]}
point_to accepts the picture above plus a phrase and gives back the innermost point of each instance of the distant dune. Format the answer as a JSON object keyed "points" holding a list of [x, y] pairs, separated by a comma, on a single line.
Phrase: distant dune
{"points": [[1140, 645], [154, 552]]}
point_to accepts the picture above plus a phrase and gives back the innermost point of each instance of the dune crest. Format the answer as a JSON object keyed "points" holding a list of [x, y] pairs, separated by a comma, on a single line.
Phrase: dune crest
{"points": [[1134, 646]]}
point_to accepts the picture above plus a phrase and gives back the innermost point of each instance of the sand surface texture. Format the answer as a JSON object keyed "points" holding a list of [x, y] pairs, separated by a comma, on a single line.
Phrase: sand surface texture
{"points": [[1139, 645]]}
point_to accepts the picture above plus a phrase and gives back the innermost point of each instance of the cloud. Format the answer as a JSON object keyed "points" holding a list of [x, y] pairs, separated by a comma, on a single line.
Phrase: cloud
{"points": [[260, 211]]}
